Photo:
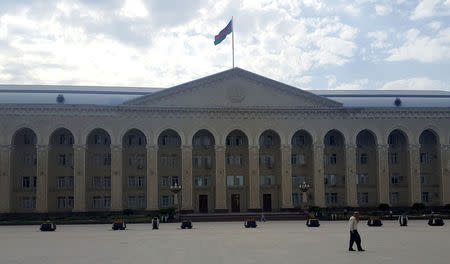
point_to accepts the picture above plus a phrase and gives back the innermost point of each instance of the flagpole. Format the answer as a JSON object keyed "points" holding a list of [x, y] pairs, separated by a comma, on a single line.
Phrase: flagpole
{"points": [[232, 38]]}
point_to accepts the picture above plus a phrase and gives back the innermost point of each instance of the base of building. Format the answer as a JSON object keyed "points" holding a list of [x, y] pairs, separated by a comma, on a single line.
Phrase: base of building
{"points": [[255, 210], [190, 211], [221, 211], [291, 209]]}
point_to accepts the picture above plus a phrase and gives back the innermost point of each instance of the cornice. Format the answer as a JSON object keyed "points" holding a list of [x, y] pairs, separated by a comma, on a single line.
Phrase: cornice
{"points": [[129, 111]]}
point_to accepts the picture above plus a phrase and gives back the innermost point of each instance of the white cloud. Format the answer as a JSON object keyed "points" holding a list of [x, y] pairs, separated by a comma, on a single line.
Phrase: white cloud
{"points": [[416, 84], [383, 10], [430, 8], [356, 85], [423, 48], [331, 80], [435, 25], [133, 8], [380, 39]]}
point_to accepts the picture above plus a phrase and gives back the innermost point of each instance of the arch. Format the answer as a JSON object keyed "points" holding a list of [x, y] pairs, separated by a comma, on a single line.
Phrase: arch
{"points": [[26, 129], [86, 132], [163, 129], [23, 126], [335, 131], [228, 131], [214, 134], [406, 132], [58, 129], [260, 132], [170, 130], [147, 133], [311, 132], [299, 132], [370, 132], [132, 130], [403, 133], [237, 131], [268, 131], [432, 130], [98, 129]]}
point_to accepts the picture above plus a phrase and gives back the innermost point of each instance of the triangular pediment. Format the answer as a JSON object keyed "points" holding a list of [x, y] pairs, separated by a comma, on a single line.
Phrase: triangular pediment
{"points": [[234, 88]]}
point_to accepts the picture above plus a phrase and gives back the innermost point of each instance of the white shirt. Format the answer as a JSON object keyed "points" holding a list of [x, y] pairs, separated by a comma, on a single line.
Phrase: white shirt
{"points": [[353, 223]]}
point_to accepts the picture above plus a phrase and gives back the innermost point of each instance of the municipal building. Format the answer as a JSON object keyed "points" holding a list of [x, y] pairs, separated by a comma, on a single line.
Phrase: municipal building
{"points": [[235, 141]]}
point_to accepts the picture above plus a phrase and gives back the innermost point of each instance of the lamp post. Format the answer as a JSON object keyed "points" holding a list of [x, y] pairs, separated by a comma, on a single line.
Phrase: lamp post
{"points": [[175, 189], [304, 187]]}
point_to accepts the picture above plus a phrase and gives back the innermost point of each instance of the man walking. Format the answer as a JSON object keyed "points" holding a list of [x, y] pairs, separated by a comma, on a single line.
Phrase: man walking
{"points": [[354, 236]]}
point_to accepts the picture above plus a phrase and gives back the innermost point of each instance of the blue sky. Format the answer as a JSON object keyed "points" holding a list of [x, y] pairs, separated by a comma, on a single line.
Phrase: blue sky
{"points": [[310, 44]]}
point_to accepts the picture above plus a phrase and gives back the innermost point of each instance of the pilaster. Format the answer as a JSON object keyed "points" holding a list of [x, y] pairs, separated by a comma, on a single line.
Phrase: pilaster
{"points": [[286, 177], [350, 183], [444, 179], [383, 174], [186, 176], [116, 178], [221, 187], [5, 178], [42, 179], [414, 174], [319, 186], [79, 191], [253, 185], [152, 178]]}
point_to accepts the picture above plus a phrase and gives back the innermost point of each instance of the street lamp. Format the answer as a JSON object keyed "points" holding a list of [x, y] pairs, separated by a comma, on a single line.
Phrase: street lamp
{"points": [[175, 189], [304, 187]]}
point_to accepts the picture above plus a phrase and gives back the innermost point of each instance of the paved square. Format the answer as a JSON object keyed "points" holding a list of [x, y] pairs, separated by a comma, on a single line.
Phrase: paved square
{"points": [[272, 242]]}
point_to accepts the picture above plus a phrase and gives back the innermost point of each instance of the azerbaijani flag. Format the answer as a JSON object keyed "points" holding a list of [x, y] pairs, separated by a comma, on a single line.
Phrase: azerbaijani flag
{"points": [[223, 34]]}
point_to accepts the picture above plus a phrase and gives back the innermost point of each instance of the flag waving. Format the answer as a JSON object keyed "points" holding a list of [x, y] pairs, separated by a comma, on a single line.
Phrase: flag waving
{"points": [[223, 34]]}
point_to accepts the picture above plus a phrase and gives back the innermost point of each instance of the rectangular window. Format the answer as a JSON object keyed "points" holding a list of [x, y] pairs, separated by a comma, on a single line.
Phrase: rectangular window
{"points": [[167, 201], [69, 182], [297, 179], [363, 178], [131, 181], [425, 197], [141, 202], [70, 202], [393, 158], [363, 198], [230, 180], [97, 159], [107, 202], [175, 180], [424, 158], [296, 199], [165, 181], [61, 202], [267, 180], [107, 182], [395, 179], [298, 141], [97, 182], [107, 159], [330, 179], [97, 202], [26, 182], [61, 182], [363, 158], [394, 197], [62, 160], [132, 203], [333, 158], [333, 198], [141, 181], [423, 179]]}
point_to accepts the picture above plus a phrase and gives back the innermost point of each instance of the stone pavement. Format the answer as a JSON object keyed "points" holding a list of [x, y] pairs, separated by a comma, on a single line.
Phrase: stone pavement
{"points": [[225, 242]]}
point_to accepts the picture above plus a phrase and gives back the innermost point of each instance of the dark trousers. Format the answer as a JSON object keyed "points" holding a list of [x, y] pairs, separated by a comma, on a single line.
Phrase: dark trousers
{"points": [[354, 237]]}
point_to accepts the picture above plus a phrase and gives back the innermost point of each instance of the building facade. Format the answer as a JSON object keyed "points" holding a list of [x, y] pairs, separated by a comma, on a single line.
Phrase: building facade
{"points": [[235, 141]]}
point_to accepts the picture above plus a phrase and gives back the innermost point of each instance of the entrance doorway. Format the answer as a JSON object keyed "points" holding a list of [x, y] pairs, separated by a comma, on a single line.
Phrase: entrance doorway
{"points": [[235, 203], [267, 202], [203, 203]]}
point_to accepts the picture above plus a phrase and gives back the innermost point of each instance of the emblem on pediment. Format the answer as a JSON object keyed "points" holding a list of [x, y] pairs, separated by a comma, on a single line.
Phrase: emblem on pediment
{"points": [[235, 94]]}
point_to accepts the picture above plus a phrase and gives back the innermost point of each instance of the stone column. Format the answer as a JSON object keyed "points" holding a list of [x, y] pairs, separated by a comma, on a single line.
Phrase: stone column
{"points": [[350, 169], [42, 179], [444, 180], [253, 175], [383, 174], [79, 171], [221, 180], [415, 194], [116, 178], [5, 178], [152, 178], [319, 186], [186, 178], [286, 178]]}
